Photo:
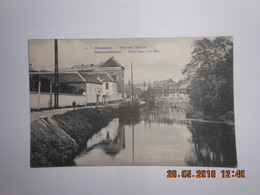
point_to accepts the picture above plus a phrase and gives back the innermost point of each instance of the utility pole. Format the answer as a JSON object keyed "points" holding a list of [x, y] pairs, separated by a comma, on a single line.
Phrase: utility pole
{"points": [[50, 106], [39, 93], [56, 72], [132, 82], [133, 143]]}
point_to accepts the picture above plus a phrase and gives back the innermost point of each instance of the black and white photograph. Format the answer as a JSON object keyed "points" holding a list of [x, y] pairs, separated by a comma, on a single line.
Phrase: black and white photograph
{"points": [[132, 102], [129, 97]]}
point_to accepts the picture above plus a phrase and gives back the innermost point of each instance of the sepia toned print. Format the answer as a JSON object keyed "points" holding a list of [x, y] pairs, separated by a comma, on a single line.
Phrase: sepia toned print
{"points": [[124, 102]]}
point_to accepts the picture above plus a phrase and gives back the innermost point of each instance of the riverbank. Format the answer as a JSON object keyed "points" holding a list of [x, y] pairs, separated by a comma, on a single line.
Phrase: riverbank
{"points": [[55, 140], [227, 118]]}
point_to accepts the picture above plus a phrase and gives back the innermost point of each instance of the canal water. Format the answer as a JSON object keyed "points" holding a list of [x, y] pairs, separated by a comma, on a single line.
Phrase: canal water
{"points": [[162, 137]]}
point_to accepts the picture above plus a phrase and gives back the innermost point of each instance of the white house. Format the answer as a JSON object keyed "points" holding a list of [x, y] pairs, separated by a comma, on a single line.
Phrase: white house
{"points": [[114, 69], [109, 87], [81, 87], [71, 87], [93, 88]]}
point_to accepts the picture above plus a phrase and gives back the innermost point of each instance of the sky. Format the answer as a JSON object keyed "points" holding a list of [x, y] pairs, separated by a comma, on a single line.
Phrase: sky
{"points": [[152, 58]]}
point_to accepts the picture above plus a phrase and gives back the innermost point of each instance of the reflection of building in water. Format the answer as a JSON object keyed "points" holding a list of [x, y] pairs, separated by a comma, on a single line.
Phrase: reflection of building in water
{"points": [[166, 115], [118, 143], [110, 139]]}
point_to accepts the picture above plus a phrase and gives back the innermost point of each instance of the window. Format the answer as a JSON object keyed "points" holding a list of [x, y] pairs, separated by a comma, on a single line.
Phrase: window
{"points": [[106, 85]]}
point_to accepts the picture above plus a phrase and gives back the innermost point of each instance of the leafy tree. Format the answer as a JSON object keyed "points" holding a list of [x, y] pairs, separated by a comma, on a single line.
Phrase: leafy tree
{"points": [[211, 76]]}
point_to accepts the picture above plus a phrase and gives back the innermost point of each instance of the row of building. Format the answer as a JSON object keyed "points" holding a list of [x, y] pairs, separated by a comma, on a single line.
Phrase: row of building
{"points": [[170, 91], [95, 84], [84, 84]]}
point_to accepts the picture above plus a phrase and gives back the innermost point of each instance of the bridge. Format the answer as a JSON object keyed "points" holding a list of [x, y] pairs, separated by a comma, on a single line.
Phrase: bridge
{"points": [[162, 92]]}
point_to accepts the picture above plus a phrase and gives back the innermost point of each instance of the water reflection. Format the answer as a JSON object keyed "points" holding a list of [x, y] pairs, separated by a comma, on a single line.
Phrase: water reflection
{"points": [[214, 145], [161, 136], [165, 115], [108, 139], [112, 147]]}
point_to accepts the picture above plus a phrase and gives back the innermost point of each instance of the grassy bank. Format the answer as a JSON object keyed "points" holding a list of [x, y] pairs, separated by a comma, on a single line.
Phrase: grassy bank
{"points": [[56, 140]]}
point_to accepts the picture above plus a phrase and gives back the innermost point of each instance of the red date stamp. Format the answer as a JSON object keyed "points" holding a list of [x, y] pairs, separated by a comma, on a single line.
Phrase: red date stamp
{"points": [[206, 174]]}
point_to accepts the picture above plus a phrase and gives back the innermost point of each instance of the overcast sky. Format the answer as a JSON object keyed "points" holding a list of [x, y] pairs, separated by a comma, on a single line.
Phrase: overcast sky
{"points": [[153, 58]]}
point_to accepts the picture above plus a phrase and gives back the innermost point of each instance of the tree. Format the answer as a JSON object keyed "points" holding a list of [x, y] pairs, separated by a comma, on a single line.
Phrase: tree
{"points": [[211, 76]]}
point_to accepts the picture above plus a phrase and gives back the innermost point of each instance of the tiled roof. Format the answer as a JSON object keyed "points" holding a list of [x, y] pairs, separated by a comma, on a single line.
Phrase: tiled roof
{"points": [[104, 77], [111, 62], [85, 66], [63, 77], [89, 78], [113, 77]]}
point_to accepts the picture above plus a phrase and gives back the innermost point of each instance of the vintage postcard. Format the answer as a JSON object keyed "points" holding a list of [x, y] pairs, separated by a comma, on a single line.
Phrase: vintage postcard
{"points": [[132, 102]]}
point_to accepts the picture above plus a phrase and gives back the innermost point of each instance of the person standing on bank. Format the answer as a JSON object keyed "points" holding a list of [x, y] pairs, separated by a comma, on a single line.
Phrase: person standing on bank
{"points": [[74, 104]]}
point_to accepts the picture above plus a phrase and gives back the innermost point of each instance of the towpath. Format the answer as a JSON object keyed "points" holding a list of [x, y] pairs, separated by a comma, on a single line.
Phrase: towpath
{"points": [[48, 113]]}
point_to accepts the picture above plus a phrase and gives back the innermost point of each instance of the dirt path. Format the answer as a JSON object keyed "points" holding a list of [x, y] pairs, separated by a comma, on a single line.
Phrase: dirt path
{"points": [[48, 113]]}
